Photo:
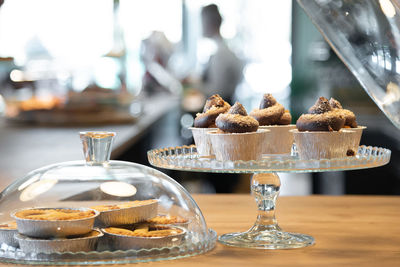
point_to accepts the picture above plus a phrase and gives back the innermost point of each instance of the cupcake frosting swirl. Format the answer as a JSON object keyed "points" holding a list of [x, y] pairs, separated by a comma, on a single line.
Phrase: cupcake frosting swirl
{"points": [[271, 112], [320, 107], [321, 117], [236, 120], [214, 106], [348, 115]]}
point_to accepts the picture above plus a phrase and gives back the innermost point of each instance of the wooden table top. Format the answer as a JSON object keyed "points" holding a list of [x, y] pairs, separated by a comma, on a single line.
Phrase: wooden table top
{"points": [[348, 230]]}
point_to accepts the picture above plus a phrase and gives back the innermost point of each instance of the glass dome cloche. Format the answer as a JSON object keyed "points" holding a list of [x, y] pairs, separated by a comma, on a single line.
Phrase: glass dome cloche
{"points": [[366, 37], [99, 211]]}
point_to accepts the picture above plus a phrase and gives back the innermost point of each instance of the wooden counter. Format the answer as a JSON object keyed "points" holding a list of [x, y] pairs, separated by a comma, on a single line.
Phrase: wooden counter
{"points": [[24, 148], [349, 231]]}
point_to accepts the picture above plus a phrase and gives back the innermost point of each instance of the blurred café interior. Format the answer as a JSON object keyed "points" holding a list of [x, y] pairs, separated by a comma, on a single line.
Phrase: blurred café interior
{"points": [[145, 68]]}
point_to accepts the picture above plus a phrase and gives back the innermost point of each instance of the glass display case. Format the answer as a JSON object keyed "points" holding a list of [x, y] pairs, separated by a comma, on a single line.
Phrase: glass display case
{"points": [[99, 211]]}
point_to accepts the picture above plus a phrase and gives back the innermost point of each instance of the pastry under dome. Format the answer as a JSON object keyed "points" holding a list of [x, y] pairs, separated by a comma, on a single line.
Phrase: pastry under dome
{"points": [[99, 181]]}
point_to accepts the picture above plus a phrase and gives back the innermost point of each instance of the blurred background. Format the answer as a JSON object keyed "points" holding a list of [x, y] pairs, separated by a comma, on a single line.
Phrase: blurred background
{"points": [[145, 68]]}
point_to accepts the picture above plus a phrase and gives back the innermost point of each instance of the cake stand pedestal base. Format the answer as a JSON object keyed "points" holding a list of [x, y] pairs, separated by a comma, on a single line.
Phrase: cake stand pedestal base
{"points": [[266, 233], [268, 239]]}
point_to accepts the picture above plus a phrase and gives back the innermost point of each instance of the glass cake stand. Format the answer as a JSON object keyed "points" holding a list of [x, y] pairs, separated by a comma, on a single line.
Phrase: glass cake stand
{"points": [[265, 186]]}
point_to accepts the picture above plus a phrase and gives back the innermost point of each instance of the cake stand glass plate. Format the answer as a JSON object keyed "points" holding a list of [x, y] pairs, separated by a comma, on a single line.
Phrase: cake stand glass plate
{"points": [[125, 195], [186, 158], [265, 186], [190, 247]]}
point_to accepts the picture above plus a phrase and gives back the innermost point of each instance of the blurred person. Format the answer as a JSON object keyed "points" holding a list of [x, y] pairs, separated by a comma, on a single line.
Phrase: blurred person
{"points": [[155, 52], [221, 75], [224, 70]]}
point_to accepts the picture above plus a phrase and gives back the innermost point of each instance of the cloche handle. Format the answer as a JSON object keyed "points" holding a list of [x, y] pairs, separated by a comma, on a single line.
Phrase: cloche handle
{"points": [[97, 146]]}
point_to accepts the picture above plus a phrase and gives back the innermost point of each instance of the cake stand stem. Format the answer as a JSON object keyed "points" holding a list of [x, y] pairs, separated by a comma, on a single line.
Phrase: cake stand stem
{"points": [[266, 233]]}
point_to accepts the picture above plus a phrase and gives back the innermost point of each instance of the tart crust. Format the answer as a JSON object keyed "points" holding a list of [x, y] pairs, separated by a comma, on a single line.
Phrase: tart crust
{"points": [[123, 205], [145, 231], [167, 219], [54, 214]]}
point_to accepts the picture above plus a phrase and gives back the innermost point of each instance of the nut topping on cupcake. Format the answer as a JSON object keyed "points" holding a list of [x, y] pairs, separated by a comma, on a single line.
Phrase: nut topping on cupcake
{"points": [[334, 103], [348, 115], [321, 106], [238, 109], [271, 112], [321, 117], [214, 106], [236, 120], [267, 101], [215, 101]]}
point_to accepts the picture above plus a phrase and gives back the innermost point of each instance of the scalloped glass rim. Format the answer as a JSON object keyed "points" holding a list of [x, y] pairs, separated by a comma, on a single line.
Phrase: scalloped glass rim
{"points": [[110, 257], [187, 158]]}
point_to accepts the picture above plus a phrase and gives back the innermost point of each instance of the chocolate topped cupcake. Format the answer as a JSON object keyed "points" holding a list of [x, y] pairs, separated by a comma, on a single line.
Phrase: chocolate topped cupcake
{"points": [[236, 121], [272, 115], [205, 122], [271, 112], [321, 117], [347, 114], [214, 106], [319, 134], [238, 136]]}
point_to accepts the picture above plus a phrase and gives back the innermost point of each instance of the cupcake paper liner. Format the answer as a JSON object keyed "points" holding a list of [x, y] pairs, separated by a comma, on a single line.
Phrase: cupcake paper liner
{"points": [[202, 140], [357, 138], [280, 140], [239, 146], [325, 145]]}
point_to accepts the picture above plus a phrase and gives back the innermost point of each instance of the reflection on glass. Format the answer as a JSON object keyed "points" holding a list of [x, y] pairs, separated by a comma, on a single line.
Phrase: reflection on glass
{"points": [[366, 36], [36, 189], [119, 189]]}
